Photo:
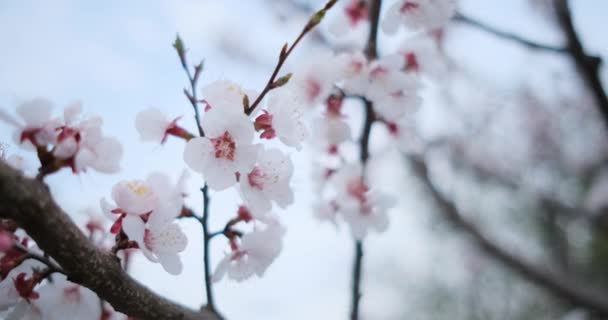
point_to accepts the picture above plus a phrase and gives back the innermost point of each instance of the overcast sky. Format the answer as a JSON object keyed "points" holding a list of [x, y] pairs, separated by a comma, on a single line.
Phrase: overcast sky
{"points": [[117, 58]]}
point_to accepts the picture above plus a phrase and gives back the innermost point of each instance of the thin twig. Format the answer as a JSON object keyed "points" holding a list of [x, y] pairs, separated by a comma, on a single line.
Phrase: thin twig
{"points": [[193, 79], [28, 254], [206, 252], [371, 51], [284, 54], [588, 66], [459, 17]]}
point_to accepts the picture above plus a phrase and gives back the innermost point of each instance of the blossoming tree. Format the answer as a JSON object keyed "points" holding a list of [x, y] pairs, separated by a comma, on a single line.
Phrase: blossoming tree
{"points": [[51, 268]]}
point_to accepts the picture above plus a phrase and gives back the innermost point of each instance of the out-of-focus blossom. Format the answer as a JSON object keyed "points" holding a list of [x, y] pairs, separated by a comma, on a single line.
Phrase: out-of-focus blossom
{"points": [[361, 208], [37, 128], [252, 255], [418, 14], [155, 126]]}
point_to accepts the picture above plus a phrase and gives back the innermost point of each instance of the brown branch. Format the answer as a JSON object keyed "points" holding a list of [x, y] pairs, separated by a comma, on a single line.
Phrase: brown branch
{"points": [[29, 203], [562, 285], [459, 17], [588, 66]]}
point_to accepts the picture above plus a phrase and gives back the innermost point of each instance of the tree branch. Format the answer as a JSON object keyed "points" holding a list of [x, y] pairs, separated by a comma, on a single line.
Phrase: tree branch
{"points": [[459, 17], [371, 52], [588, 66], [29, 203], [562, 285]]}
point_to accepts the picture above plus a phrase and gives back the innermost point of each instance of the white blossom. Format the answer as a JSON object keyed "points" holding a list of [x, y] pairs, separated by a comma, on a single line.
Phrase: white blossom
{"points": [[62, 299], [253, 255], [225, 150], [314, 79], [285, 110], [418, 14], [153, 125], [37, 126], [362, 208], [268, 181], [226, 96], [160, 238], [383, 82]]}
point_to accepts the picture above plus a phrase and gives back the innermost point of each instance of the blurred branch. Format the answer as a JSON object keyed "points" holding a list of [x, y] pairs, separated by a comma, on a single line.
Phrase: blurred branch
{"points": [[588, 66], [371, 52], [557, 282], [29, 203], [459, 17]]}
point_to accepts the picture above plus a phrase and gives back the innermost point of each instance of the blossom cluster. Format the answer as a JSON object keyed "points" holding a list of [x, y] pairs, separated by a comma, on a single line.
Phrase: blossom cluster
{"points": [[69, 141], [234, 152]]}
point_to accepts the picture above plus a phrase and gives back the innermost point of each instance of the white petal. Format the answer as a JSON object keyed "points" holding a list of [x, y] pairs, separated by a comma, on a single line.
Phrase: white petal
{"points": [[71, 112], [151, 124], [134, 228], [171, 239], [198, 153], [35, 112], [221, 175], [170, 262]]}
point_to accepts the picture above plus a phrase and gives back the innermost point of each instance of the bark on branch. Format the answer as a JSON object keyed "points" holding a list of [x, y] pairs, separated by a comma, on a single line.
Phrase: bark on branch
{"points": [[562, 285], [29, 203]]}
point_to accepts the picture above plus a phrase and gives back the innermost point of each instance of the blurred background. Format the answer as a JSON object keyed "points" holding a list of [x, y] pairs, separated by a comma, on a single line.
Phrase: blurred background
{"points": [[513, 138]]}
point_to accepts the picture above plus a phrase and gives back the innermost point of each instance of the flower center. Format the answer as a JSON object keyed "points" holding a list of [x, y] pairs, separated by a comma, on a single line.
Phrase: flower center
{"points": [[138, 188], [313, 88], [356, 11], [71, 294], [256, 178], [358, 189], [411, 62], [407, 6], [224, 146]]}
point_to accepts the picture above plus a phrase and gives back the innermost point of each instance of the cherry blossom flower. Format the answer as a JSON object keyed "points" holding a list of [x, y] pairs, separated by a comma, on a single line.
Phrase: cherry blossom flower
{"points": [[225, 95], [418, 14], [326, 211], [226, 149], [283, 119], [82, 145], [383, 82], [354, 14], [421, 55], [37, 127], [252, 255], [362, 208], [329, 132], [147, 210], [160, 238], [268, 181], [62, 299], [132, 199], [153, 125], [8, 289], [314, 79]]}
